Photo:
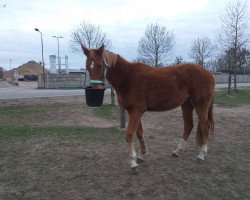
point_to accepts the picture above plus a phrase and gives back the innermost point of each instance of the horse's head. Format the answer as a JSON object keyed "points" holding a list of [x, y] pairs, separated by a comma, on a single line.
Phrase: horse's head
{"points": [[95, 66]]}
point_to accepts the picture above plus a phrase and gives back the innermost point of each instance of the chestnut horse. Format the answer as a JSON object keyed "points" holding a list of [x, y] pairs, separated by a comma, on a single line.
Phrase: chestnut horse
{"points": [[143, 88]]}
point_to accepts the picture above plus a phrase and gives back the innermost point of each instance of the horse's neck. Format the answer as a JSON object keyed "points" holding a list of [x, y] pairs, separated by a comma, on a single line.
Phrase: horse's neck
{"points": [[119, 74]]}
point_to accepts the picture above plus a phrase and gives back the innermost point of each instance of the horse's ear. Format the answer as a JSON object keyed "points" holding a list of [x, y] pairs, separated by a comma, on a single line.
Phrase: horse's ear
{"points": [[100, 50], [85, 50]]}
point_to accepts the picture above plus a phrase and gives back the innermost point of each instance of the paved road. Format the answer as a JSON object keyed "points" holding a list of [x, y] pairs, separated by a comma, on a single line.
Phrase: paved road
{"points": [[29, 90]]}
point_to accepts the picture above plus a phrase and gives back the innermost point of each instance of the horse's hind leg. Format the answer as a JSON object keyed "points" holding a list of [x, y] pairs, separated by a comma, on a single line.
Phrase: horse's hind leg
{"points": [[140, 136], [187, 114], [202, 131]]}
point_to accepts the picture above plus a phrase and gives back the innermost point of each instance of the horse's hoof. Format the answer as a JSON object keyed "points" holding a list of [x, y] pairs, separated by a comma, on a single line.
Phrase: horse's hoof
{"points": [[174, 155], [135, 170], [200, 160], [139, 160], [144, 152]]}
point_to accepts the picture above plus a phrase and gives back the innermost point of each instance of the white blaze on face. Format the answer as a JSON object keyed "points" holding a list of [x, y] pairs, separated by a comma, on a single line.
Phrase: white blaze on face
{"points": [[92, 65]]}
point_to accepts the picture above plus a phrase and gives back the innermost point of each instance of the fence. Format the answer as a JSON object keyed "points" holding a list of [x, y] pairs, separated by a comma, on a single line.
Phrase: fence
{"points": [[55, 81], [223, 78]]}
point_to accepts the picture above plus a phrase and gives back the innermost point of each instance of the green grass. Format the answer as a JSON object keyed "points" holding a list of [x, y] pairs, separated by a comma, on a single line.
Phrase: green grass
{"points": [[20, 121], [107, 111], [16, 110], [236, 97], [85, 133], [35, 108]]}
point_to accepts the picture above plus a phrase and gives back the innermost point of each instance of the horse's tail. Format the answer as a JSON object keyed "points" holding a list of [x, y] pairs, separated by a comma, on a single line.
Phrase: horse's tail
{"points": [[210, 117]]}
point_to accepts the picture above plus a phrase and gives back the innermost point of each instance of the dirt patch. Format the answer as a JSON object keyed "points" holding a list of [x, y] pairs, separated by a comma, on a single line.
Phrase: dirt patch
{"points": [[69, 167], [74, 112]]}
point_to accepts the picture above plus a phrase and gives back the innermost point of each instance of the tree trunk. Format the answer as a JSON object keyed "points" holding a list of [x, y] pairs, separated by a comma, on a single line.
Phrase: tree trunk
{"points": [[235, 82], [229, 84], [85, 77]]}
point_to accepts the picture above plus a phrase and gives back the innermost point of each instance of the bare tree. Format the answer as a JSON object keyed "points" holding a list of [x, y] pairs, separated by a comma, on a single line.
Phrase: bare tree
{"points": [[201, 50], [1, 73], [233, 35], [156, 45], [90, 35], [178, 60]]}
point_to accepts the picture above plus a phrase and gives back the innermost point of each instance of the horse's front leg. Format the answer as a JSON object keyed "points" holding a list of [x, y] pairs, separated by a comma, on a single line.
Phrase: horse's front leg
{"points": [[140, 136], [133, 124]]}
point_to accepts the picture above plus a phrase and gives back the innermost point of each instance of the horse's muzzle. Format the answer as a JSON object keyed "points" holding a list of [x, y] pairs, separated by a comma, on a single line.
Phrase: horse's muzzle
{"points": [[98, 86]]}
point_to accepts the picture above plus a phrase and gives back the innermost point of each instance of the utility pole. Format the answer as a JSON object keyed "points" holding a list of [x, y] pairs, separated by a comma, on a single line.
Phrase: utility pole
{"points": [[58, 52], [36, 29]]}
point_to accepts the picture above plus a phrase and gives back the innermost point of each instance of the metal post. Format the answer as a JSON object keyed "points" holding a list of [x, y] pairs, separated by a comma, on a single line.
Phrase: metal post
{"points": [[122, 118], [36, 29], [58, 52]]}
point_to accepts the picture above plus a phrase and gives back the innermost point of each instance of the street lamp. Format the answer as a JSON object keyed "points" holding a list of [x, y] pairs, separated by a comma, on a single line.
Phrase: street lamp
{"points": [[58, 53], [36, 29]]}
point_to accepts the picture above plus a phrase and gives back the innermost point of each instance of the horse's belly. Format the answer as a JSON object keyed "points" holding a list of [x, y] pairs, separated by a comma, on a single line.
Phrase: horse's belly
{"points": [[164, 103], [162, 107]]}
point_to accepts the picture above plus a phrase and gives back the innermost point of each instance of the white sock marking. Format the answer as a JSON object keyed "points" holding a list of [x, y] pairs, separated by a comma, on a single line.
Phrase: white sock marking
{"points": [[133, 156], [203, 152], [181, 146]]}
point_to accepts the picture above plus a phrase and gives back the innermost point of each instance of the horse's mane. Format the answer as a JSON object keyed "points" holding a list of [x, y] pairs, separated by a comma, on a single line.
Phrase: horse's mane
{"points": [[124, 61]]}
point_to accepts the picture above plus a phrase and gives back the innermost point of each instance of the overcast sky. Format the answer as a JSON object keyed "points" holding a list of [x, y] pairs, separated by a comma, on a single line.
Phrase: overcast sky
{"points": [[124, 21]]}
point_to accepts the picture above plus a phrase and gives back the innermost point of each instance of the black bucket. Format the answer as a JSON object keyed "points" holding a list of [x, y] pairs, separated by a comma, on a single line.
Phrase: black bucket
{"points": [[94, 97]]}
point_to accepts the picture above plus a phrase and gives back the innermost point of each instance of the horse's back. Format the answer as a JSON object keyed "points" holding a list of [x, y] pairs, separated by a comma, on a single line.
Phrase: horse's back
{"points": [[171, 86], [188, 75]]}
